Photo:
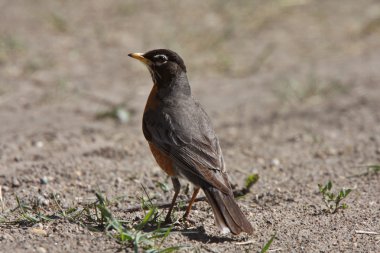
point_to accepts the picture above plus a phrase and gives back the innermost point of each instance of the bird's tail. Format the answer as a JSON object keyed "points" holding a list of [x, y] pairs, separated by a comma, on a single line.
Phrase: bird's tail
{"points": [[228, 216]]}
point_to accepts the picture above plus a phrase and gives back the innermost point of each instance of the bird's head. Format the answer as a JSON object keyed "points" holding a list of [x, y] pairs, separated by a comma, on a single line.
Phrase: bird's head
{"points": [[164, 65]]}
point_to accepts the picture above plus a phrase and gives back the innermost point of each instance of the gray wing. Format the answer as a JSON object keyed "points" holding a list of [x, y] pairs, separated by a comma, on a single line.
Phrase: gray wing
{"points": [[187, 136]]}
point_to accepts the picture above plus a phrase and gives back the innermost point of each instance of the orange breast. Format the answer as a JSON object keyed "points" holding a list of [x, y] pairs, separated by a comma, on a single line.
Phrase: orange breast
{"points": [[152, 102], [163, 160]]}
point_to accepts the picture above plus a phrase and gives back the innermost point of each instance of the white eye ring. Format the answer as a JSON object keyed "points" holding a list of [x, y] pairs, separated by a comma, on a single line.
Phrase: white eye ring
{"points": [[161, 58]]}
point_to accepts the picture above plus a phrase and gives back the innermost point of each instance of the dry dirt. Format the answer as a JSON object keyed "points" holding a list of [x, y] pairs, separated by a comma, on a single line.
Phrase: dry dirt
{"points": [[292, 87]]}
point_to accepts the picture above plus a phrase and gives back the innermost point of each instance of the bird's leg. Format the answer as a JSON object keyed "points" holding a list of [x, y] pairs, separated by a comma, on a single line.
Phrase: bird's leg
{"points": [[188, 209], [177, 188]]}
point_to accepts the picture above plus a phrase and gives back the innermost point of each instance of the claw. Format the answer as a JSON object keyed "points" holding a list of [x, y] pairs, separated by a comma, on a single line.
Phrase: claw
{"points": [[187, 221]]}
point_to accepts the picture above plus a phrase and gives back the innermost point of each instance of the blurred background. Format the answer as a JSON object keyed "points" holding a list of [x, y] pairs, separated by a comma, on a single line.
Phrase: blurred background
{"points": [[257, 53]]}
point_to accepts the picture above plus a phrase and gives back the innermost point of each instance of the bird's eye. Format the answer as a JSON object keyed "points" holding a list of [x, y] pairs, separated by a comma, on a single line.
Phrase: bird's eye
{"points": [[161, 58]]}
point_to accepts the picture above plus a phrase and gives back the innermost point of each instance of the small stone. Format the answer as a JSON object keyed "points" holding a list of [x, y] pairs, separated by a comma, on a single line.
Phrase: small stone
{"points": [[15, 182], [5, 188], [38, 225], [331, 151], [38, 231], [39, 144], [261, 161], [41, 250], [44, 180], [122, 115], [17, 159], [275, 162], [119, 181], [78, 173], [42, 200]]}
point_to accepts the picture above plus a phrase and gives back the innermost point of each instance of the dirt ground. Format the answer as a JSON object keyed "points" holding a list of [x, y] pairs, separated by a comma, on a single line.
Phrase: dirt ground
{"points": [[292, 87]]}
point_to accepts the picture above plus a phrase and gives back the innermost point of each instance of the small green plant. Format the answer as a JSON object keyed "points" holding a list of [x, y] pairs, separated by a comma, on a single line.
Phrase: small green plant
{"points": [[145, 236], [163, 186], [268, 244], [250, 180], [372, 169], [332, 200], [375, 168], [135, 236], [31, 214], [117, 113]]}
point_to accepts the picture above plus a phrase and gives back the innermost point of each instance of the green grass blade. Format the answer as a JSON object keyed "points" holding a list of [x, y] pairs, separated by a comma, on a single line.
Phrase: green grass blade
{"points": [[374, 168], [267, 245], [251, 180], [146, 218]]}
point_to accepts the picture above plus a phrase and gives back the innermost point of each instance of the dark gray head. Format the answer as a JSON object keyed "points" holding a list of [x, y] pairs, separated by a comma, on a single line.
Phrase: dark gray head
{"points": [[165, 59], [163, 64]]}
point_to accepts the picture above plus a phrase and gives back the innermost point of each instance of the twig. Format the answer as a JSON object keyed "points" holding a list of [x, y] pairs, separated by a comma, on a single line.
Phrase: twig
{"points": [[1, 200], [366, 232], [275, 250], [237, 193], [245, 243]]}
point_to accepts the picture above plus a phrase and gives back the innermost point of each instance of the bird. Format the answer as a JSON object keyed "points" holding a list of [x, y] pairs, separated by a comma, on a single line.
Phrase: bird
{"points": [[183, 142]]}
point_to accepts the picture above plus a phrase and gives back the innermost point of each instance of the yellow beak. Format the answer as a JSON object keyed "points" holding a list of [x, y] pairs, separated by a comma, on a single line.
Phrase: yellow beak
{"points": [[140, 57]]}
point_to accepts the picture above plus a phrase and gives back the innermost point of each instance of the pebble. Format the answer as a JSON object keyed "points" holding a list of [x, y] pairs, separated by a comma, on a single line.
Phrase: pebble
{"points": [[122, 115], [15, 182], [38, 231], [261, 161], [41, 250], [41, 199], [39, 144], [17, 159], [44, 180], [275, 162], [5, 188], [119, 181], [38, 225], [78, 173], [331, 151]]}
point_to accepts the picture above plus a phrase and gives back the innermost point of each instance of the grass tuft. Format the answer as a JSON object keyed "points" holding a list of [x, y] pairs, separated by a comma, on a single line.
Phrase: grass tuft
{"points": [[333, 200], [147, 235], [117, 113], [375, 168]]}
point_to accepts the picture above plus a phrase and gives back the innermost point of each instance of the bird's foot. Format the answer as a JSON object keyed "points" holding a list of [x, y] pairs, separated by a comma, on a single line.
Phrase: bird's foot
{"points": [[187, 222], [168, 220]]}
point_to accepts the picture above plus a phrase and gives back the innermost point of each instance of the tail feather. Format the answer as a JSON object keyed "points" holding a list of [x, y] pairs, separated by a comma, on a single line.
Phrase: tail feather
{"points": [[226, 212]]}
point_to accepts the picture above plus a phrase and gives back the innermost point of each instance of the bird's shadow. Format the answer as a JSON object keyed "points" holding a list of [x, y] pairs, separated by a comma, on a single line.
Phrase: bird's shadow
{"points": [[199, 234], [196, 234]]}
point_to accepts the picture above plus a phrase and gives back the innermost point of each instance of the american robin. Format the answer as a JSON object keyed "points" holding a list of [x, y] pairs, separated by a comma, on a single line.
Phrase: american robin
{"points": [[183, 141]]}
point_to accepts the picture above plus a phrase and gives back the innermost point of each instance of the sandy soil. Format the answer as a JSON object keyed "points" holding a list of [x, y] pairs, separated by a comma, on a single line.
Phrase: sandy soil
{"points": [[292, 88]]}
